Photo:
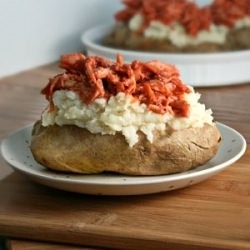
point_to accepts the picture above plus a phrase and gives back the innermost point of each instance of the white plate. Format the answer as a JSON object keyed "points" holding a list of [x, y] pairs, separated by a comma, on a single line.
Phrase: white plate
{"points": [[204, 69], [16, 151]]}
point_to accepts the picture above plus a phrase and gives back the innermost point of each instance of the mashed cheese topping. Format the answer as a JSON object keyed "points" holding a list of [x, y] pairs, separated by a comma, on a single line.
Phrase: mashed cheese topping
{"points": [[176, 33], [121, 113]]}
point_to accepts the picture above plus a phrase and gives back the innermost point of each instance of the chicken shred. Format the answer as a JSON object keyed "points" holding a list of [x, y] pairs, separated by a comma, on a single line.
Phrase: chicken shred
{"points": [[156, 84]]}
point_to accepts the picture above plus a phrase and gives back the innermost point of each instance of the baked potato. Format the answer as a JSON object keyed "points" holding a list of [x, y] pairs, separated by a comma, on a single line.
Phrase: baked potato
{"points": [[133, 119], [73, 149], [215, 27]]}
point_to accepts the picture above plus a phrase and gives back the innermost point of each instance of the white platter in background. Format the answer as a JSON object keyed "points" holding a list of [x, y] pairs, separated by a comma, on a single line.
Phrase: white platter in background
{"points": [[197, 69], [16, 151]]}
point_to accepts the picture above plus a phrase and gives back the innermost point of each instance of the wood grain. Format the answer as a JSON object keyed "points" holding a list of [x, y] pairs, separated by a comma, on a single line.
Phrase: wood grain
{"points": [[38, 245], [230, 105], [214, 214]]}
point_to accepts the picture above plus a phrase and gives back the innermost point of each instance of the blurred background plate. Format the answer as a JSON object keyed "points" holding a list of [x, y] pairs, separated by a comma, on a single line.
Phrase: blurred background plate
{"points": [[206, 69]]}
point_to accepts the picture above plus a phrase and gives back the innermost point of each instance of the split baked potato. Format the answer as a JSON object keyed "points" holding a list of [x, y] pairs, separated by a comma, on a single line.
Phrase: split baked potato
{"points": [[73, 149]]}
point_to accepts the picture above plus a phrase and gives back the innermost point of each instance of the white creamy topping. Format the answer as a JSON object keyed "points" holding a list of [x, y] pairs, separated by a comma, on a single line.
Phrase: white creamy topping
{"points": [[176, 33], [135, 22], [121, 114], [241, 23]]}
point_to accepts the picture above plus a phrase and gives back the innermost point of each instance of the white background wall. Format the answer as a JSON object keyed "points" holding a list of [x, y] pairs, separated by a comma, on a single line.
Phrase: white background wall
{"points": [[36, 32]]}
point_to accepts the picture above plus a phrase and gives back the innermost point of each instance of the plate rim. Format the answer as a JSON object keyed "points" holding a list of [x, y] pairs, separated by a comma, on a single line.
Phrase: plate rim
{"points": [[62, 177]]}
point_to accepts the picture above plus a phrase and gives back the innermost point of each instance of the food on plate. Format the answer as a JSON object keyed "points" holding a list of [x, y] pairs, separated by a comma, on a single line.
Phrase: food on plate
{"points": [[181, 26], [134, 119]]}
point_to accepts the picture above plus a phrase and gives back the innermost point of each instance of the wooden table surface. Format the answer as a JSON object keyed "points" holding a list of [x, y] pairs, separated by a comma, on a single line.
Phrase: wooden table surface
{"points": [[214, 214]]}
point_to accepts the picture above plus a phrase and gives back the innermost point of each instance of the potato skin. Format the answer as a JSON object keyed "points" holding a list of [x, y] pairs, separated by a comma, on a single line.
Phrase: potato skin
{"points": [[72, 149], [122, 37]]}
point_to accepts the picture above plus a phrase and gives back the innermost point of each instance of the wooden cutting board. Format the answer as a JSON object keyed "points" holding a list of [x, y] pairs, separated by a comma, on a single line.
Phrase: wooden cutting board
{"points": [[214, 214]]}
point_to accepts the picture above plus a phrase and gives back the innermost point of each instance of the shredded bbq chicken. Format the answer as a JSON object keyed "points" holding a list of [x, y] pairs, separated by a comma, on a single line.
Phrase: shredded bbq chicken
{"points": [[156, 84], [188, 13]]}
